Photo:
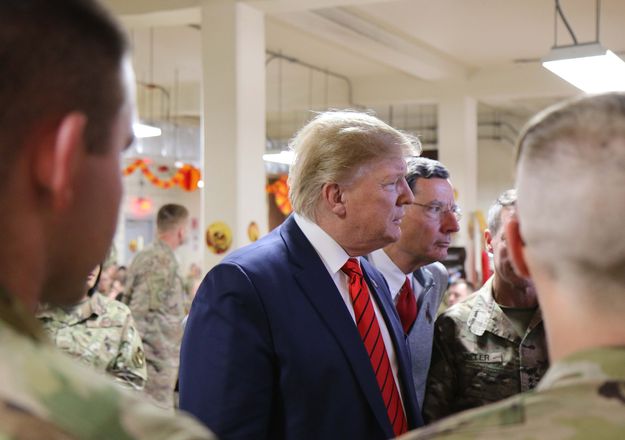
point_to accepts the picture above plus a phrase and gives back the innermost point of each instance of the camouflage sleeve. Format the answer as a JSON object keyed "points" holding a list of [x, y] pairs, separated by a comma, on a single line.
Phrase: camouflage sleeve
{"points": [[17, 423], [442, 380], [129, 364]]}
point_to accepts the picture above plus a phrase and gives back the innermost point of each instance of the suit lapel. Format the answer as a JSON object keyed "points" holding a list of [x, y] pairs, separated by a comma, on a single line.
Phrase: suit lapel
{"points": [[425, 278], [319, 288], [387, 308]]}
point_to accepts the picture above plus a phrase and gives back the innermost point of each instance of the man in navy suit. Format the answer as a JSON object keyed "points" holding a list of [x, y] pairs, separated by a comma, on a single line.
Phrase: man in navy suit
{"points": [[272, 348], [411, 265]]}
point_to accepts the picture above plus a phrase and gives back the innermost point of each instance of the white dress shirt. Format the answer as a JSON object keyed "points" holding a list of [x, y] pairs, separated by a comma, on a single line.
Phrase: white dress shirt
{"points": [[334, 257], [395, 278]]}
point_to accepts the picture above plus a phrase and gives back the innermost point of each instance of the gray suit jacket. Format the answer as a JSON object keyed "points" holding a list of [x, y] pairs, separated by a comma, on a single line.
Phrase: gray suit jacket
{"points": [[433, 279]]}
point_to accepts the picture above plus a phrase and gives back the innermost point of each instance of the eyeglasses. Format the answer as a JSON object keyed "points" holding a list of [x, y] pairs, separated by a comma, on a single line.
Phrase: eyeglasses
{"points": [[436, 211]]}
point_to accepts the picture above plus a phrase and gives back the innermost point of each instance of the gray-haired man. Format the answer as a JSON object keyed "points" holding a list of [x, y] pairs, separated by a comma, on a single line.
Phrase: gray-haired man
{"points": [[492, 345]]}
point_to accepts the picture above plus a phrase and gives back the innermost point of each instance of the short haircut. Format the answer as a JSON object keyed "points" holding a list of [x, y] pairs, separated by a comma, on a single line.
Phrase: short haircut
{"points": [[333, 146], [506, 199], [57, 56], [458, 281], [571, 187], [424, 168], [169, 216]]}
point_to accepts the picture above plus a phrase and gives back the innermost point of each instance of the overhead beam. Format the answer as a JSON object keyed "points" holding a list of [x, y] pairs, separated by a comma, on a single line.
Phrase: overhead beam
{"points": [[283, 6], [367, 39], [135, 7], [178, 17], [525, 81]]}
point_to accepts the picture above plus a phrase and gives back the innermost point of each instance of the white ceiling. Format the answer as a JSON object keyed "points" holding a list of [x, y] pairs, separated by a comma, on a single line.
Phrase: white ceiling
{"points": [[392, 51]]}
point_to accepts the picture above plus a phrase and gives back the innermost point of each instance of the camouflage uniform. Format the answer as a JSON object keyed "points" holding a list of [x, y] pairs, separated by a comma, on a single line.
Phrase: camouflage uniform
{"points": [[45, 394], [479, 358], [580, 397], [155, 294], [100, 332]]}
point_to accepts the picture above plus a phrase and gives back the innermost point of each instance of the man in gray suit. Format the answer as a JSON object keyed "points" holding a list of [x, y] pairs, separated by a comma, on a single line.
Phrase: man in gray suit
{"points": [[416, 278]]}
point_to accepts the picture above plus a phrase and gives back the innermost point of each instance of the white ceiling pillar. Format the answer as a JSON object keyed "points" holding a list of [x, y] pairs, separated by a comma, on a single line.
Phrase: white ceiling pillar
{"points": [[233, 119], [457, 150]]}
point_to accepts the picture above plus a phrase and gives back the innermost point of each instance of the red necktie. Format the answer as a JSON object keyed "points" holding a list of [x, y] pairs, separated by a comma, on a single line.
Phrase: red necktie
{"points": [[369, 330], [406, 306]]}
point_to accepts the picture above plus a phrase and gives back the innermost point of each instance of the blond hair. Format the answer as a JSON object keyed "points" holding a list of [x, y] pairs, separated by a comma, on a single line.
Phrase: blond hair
{"points": [[333, 146]]}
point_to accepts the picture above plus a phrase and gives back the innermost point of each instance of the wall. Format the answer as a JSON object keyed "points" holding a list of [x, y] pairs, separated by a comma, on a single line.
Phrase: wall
{"points": [[495, 171]]}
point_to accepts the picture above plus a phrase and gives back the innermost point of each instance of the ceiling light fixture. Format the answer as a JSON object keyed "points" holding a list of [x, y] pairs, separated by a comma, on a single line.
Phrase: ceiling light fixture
{"points": [[587, 66], [283, 157], [145, 131]]}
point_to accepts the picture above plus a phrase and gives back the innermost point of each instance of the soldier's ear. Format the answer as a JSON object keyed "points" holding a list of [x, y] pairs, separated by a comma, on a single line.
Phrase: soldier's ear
{"points": [[56, 155], [516, 247]]}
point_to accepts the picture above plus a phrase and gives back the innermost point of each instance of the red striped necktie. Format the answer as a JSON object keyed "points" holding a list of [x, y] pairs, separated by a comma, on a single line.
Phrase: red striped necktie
{"points": [[369, 330], [406, 306]]}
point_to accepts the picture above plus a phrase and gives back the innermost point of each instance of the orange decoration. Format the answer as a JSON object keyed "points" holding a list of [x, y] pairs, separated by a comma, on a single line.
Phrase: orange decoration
{"points": [[186, 177], [280, 190]]}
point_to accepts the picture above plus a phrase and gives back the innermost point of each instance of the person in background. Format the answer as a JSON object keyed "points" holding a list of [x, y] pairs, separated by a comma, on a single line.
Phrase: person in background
{"points": [[458, 290], [67, 109], [100, 332], [154, 292], [107, 277], [567, 236], [411, 265], [119, 283], [492, 345], [294, 336]]}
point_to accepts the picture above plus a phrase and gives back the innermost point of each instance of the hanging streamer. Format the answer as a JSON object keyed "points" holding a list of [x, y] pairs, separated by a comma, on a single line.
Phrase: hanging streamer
{"points": [[186, 177], [280, 190]]}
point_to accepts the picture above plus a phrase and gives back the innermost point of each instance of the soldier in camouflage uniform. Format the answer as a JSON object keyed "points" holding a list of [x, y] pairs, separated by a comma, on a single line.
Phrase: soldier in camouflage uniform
{"points": [[568, 235], [492, 345], [100, 332], [67, 112], [156, 296], [58, 398]]}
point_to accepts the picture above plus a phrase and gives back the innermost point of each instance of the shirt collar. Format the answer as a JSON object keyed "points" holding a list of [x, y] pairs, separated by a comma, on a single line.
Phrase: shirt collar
{"points": [[330, 252], [393, 274]]}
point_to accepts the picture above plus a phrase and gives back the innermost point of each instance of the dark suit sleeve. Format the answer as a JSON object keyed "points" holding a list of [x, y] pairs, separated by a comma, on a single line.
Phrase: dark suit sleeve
{"points": [[227, 363], [442, 381]]}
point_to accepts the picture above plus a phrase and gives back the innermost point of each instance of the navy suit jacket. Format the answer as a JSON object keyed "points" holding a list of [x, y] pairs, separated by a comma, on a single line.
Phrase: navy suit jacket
{"points": [[270, 350]]}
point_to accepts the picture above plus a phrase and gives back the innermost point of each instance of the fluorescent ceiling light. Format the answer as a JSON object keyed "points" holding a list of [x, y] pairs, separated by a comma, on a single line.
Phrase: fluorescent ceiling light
{"points": [[588, 67], [145, 131], [284, 157]]}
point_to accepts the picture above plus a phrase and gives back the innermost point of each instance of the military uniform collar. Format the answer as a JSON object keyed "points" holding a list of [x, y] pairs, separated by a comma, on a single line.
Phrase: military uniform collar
{"points": [[486, 315], [14, 315], [165, 247], [94, 305], [598, 364]]}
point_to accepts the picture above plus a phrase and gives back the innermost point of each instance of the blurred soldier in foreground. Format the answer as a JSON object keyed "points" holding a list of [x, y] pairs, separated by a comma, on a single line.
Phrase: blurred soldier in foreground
{"points": [[156, 296], [492, 345], [100, 332], [66, 115], [568, 238]]}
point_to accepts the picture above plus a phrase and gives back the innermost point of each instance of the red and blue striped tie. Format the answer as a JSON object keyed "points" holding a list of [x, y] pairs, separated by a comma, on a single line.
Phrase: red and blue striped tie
{"points": [[369, 330]]}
